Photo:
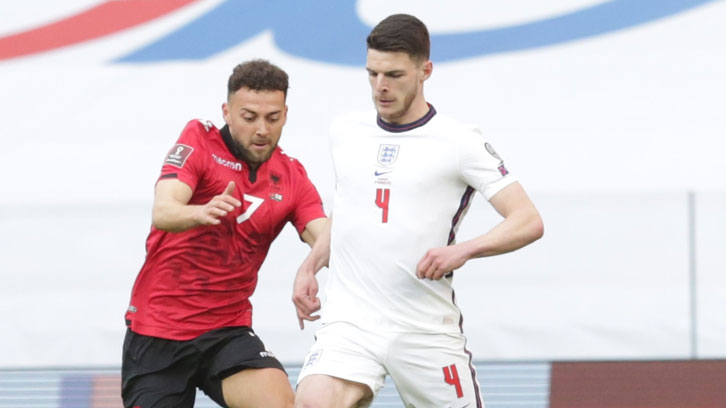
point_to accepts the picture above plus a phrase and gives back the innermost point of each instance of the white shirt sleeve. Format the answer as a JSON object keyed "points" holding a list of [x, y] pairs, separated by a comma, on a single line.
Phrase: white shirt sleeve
{"points": [[480, 165]]}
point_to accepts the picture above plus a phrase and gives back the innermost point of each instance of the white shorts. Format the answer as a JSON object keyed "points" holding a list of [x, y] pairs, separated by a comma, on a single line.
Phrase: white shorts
{"points": [[429, 370]]}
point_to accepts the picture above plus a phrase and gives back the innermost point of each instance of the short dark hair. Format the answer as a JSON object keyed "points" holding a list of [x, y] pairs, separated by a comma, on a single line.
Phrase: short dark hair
{"points": [[257, 75], [401, 33]]}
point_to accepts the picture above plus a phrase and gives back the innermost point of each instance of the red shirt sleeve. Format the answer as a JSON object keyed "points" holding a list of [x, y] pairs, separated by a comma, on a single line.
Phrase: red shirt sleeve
{"points": [[185, 159], [308, 205]]}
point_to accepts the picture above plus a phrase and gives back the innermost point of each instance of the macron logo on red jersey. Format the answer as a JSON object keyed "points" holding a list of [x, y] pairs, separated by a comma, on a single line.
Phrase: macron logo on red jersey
{"points": [[236, 166]]}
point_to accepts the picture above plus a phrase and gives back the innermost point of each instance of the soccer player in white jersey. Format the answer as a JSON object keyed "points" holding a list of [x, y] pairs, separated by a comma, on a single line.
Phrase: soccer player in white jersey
{"points": [[405, 176]]}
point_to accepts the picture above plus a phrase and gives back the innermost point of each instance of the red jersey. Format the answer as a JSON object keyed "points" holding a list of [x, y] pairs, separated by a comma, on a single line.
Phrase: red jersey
{"points": [[201, 279]]}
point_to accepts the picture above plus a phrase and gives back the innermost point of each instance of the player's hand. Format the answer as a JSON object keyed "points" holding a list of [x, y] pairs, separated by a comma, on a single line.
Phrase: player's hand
{"points": [[439, 262], [304, 295], [218, 206]]}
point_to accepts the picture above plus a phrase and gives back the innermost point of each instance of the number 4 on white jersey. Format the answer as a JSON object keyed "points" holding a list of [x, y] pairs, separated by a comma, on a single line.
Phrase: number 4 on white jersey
{"points": [[255, 203], [382, 197]]}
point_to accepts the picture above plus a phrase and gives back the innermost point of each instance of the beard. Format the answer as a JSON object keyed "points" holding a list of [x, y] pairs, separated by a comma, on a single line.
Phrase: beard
{"points": [[253, 159]]}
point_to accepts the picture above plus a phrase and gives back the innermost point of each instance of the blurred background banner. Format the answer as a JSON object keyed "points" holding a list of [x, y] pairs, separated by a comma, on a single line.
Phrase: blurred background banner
{"points": [[610, 112]]}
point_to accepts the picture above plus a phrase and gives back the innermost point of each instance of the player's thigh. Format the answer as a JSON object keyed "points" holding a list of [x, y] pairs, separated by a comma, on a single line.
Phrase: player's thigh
{"points": [[434, 370], [323, 391], [157, 372], [346, 357], [258, 387], [158, 390], [238, 353]]}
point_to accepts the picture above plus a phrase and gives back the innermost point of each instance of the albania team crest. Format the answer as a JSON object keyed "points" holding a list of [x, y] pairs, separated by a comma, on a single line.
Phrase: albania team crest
{"points": [[387, 154]]}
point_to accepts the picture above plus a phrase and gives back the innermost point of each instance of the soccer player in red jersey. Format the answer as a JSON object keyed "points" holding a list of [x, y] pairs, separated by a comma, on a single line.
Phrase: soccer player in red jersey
{"points": [[222, 198]]}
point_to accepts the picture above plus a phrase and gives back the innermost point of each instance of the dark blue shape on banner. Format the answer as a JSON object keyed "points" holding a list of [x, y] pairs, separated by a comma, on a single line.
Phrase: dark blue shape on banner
{"points": [[330, 30]]}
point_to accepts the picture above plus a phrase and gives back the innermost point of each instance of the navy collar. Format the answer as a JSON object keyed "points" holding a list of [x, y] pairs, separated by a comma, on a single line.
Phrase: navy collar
{"points": [[398, 128]]}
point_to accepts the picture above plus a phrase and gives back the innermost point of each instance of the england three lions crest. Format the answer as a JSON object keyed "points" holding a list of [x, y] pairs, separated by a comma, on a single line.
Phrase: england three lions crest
{"points": [[387, 154]]}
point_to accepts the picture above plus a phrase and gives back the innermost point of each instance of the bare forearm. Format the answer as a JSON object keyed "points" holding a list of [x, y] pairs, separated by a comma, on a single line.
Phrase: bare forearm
{"points": [[319, 256], [516, 231], [522, 225], [172, 211], [172, 216], [320, 249]]}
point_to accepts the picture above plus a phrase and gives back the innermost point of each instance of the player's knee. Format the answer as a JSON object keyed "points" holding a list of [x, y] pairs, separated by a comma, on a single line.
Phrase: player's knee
{"points": [[316, 395], [307, 402], [304, 398]]}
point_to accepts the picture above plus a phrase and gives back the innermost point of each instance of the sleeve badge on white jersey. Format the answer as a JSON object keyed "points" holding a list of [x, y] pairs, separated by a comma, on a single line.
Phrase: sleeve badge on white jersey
{"points": [[491, 151], [502, 170], [387, 154]]}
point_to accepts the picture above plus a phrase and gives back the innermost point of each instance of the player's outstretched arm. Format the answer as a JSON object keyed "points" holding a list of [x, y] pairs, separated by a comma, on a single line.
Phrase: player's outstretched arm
{"points": [[313, 230], [521, 226], [171, 211], [305, 287]]}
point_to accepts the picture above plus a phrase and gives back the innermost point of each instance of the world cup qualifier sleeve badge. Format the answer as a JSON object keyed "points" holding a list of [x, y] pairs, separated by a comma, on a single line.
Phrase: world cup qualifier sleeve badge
{"points": [[178, 155], [387, 154]]}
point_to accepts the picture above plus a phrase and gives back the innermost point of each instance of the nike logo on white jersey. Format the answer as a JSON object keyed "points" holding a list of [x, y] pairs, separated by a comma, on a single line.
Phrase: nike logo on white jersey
{"points": [[380, 173]]}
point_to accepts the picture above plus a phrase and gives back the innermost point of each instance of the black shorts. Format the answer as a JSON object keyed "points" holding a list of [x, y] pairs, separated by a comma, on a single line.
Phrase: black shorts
{"points": [[166, 373]]}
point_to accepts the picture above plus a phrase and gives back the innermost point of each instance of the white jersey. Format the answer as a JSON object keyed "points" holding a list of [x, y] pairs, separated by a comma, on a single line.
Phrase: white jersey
{"points": [[400, 191]]}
